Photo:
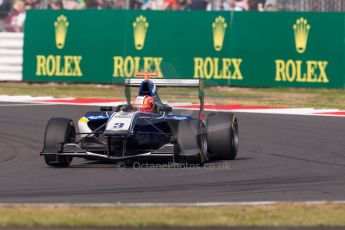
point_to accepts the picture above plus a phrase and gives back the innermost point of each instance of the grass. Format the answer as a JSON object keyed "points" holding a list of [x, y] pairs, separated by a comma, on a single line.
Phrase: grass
{"points": [[291, 97], [280, 215]]}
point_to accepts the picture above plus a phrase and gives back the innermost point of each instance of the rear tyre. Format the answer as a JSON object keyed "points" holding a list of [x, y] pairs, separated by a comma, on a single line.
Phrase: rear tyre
{"points": [[222, 135], [59, 131], [105, 108], [124, 108], [164, 108], [191, 146]]}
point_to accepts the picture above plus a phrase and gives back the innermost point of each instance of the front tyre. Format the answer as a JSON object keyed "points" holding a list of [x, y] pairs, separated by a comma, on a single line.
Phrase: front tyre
{"points": [[222, 135], [191, 146], [59, 131]]}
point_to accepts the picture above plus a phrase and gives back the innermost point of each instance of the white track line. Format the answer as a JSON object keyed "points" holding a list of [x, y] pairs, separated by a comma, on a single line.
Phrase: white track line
{"points": [[23, 98], [198, 204], [83, 104], [22, 105]]}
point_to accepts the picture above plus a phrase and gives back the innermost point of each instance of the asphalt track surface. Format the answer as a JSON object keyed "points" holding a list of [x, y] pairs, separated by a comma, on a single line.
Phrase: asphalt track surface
{"points": [[177, 228], [186, 228], [281, 158]]}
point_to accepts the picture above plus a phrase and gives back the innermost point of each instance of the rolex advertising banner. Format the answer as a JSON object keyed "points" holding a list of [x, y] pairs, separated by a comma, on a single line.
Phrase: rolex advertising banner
{"points": [[251, 49]]}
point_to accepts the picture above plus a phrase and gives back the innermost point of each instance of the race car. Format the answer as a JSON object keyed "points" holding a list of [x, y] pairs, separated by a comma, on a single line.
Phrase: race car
{"points": [[143, 128]]}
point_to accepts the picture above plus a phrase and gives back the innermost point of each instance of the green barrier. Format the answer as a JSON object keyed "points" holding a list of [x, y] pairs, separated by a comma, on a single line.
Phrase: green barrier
{"points": [[225, 48]]}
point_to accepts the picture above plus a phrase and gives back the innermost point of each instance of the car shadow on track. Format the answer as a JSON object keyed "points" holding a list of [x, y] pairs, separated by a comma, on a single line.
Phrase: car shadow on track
{"points": [[164, 163]]}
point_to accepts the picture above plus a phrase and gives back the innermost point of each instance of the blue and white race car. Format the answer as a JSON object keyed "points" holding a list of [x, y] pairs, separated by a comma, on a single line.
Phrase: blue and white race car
{"points": [[145, 128]]}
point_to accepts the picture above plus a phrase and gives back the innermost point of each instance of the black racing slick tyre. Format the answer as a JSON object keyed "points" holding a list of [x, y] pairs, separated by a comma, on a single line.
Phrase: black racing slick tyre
{"points": [[222, 136], [191, 146], [124, 108], [59, 131]]}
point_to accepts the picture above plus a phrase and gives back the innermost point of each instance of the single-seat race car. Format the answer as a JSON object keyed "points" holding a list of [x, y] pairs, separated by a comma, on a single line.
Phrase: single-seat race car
{"points": [[145, 128]]}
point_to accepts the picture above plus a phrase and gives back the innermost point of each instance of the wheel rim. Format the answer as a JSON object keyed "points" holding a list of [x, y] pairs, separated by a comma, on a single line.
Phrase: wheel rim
{"points": [[204, 142], [203, 139], [234, 136]]}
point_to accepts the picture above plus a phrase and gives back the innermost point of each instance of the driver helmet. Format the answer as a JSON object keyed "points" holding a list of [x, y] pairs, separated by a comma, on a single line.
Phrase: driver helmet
{"points": [[145, 104]]}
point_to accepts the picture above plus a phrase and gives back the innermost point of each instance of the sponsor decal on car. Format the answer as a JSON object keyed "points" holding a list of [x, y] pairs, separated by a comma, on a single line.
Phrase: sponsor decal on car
{"points": [[120, 122], [98, 117]]}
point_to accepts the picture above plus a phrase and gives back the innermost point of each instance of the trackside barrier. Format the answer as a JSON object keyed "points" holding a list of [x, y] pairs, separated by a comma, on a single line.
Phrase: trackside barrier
{"points": [[11, 56], [250, 49]]}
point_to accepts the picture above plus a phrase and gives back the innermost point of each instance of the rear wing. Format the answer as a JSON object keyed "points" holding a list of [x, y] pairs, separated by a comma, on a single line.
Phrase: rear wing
{"points": [[193, 83], [165, 82]]}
